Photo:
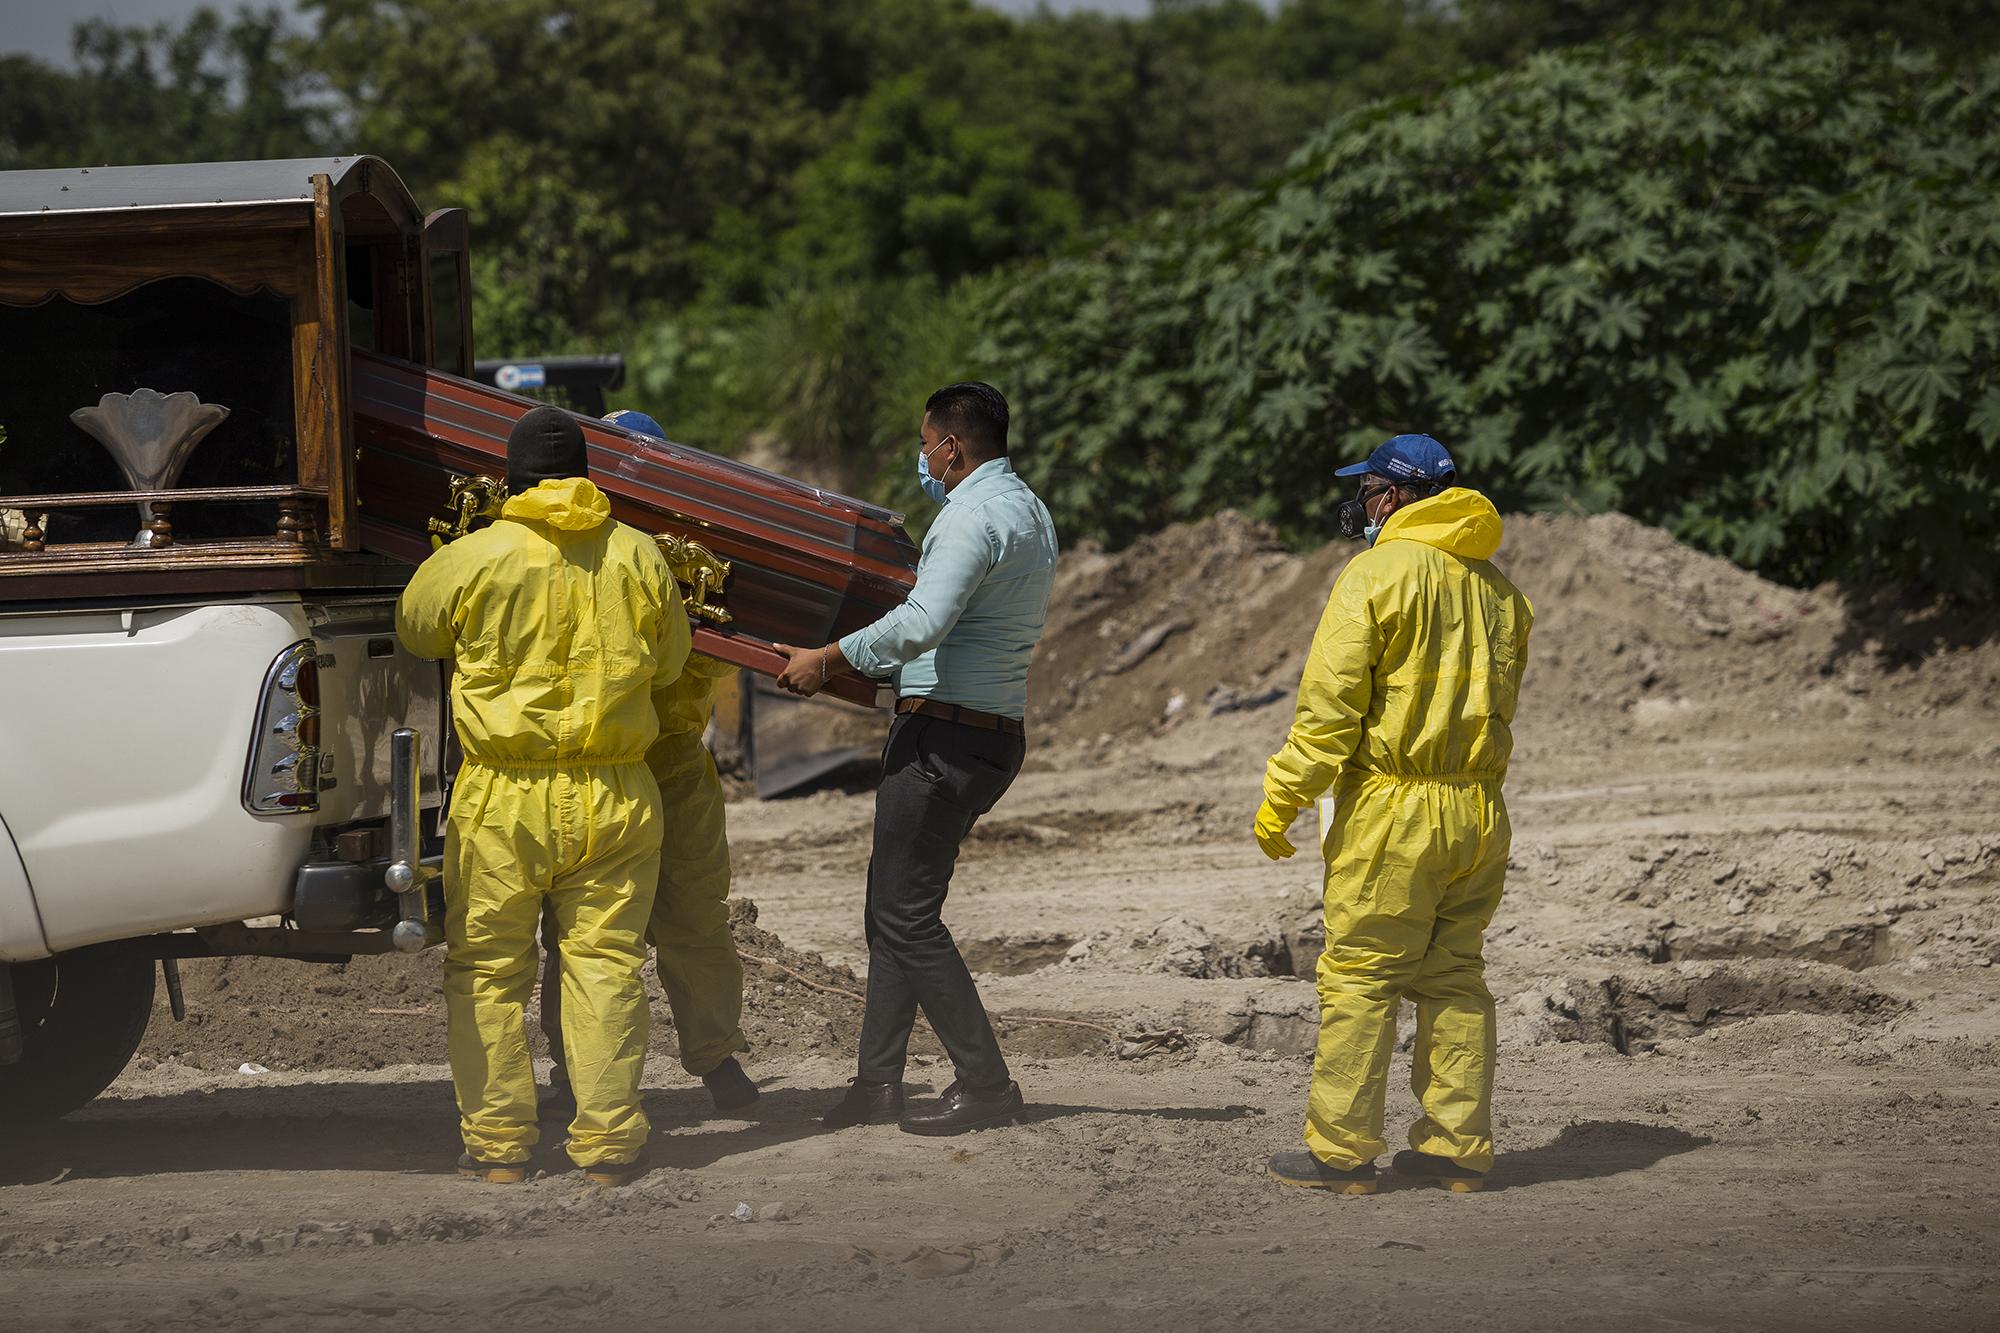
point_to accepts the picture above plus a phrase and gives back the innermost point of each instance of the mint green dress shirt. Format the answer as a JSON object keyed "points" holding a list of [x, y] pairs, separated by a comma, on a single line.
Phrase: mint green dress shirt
{"points": [[967, 630]]}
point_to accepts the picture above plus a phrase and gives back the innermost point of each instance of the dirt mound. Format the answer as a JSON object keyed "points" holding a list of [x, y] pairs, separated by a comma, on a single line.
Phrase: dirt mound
{"points": [[364, 1014], [1633, 629], [1635, 1011], [388, 1009]]}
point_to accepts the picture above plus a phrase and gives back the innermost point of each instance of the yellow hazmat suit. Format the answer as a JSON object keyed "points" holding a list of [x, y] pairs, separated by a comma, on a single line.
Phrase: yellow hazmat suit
{"points": [[698, 965], [1405, 712], [564, 626]]}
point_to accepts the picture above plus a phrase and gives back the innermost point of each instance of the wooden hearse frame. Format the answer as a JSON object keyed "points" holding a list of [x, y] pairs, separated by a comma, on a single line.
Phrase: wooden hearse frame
{"points": [[321, 235], [333, 318]]}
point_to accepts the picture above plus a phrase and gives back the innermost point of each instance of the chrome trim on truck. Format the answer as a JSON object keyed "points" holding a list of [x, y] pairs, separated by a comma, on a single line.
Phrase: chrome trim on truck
{"points": [[408, 875]]}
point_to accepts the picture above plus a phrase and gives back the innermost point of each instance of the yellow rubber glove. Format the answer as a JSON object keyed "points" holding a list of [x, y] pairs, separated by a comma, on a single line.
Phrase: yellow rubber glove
{"points": [[1270, 828]]}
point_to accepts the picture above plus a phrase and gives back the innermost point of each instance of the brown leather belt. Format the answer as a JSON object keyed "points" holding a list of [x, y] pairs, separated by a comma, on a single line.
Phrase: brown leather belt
{"points": [[971, 717]]}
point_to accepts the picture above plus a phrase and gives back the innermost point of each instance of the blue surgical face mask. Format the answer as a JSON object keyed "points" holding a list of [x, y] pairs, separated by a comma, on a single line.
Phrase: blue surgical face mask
{"points": [[1371, 532], [932, 486]]}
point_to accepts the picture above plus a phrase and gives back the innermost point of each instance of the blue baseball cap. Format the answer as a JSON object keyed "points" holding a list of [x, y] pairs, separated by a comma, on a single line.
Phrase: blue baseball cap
{"points": [[1405, 458], [638, 422]]}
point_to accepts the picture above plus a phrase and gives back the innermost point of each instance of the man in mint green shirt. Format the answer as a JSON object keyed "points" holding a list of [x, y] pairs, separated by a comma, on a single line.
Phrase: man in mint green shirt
{"points": [[958, 650]]}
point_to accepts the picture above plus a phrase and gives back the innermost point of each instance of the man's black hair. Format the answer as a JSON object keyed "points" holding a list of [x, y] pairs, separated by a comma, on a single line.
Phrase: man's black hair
{"points": [[973, 411]]}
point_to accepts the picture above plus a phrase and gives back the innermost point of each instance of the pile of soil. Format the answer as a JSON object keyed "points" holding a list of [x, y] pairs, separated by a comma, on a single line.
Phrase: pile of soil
{"points": [[1633, 631]]}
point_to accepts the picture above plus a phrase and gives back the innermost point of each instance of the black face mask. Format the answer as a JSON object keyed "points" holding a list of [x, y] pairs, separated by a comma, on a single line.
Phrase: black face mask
{"points": [[1353, 515]]}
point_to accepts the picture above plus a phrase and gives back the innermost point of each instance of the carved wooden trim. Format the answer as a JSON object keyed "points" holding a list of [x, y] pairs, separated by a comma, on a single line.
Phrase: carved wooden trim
{"points": [[38, 269], [159, 531], [295, 522], [295, 527]]}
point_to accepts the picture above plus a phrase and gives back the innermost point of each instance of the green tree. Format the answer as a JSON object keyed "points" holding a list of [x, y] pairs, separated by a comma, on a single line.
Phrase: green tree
{"points": [[643, 126], [917, 190], [1503, 32], [213, 89], [1748, 294]]}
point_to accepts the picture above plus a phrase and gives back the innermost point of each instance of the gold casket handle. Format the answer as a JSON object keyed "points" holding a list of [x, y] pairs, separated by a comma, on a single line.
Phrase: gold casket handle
{"points": [[701, 574], [472, 498], [699, 571]]}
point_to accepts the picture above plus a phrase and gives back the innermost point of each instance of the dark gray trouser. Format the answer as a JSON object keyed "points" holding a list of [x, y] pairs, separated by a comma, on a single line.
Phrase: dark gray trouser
{"points": [[938, 778]]}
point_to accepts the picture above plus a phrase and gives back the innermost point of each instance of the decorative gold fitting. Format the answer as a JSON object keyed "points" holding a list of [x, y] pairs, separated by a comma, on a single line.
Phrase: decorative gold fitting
{"points": [[699, 571], [701, 575], [472, 498]]}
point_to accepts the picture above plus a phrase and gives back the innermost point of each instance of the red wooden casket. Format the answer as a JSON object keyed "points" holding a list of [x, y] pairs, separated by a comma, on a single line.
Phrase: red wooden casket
{"points": [[806, 565]]}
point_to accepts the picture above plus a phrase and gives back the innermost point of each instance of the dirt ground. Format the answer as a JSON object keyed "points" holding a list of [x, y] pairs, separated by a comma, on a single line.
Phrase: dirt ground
{"points": [[1747, 967]]}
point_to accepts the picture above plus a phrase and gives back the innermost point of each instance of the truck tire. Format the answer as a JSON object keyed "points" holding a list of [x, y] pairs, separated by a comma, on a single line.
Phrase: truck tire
{"points": [[82, 1015]]}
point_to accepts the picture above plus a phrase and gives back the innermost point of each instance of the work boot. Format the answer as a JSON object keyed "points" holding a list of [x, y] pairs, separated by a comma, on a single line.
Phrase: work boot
{"points": [[865, 1104], [1308, 1172], [961, 1110], [729, 1087], [493, 1173], [611, 1175], [1424, 1168]]}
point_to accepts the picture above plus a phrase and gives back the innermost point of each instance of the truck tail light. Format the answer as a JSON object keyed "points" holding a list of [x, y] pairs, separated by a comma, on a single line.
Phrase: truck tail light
{"points": [[282, 775]]}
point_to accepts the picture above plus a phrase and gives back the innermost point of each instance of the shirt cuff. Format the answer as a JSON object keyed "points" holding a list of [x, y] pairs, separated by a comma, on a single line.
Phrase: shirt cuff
{"points": [[859, 651]]}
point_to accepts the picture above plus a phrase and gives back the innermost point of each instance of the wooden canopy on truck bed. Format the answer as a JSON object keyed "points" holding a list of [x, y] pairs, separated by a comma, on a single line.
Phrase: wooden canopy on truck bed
{"points": [[264, 368]]}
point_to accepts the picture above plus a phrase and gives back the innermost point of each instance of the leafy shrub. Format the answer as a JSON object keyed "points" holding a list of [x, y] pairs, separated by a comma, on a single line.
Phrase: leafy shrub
{"points": [[1751, 293], [833, 377]]}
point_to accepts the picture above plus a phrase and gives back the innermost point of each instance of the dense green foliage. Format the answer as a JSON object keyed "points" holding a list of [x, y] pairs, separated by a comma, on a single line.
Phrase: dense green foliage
{"points": [[625, 158], [629, 160], [1752, 294], [797, 216]]}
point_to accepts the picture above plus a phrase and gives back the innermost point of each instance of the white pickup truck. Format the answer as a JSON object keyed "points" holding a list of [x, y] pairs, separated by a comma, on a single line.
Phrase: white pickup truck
{"points": [[174, 771]]}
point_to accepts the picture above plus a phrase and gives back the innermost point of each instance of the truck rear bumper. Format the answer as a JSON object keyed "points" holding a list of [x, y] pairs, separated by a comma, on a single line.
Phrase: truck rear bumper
{"points": [[347, 895]]}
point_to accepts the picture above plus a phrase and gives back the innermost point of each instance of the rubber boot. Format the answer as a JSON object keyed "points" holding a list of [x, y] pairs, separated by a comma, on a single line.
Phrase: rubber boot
{"points": [[1426, 1169]]}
